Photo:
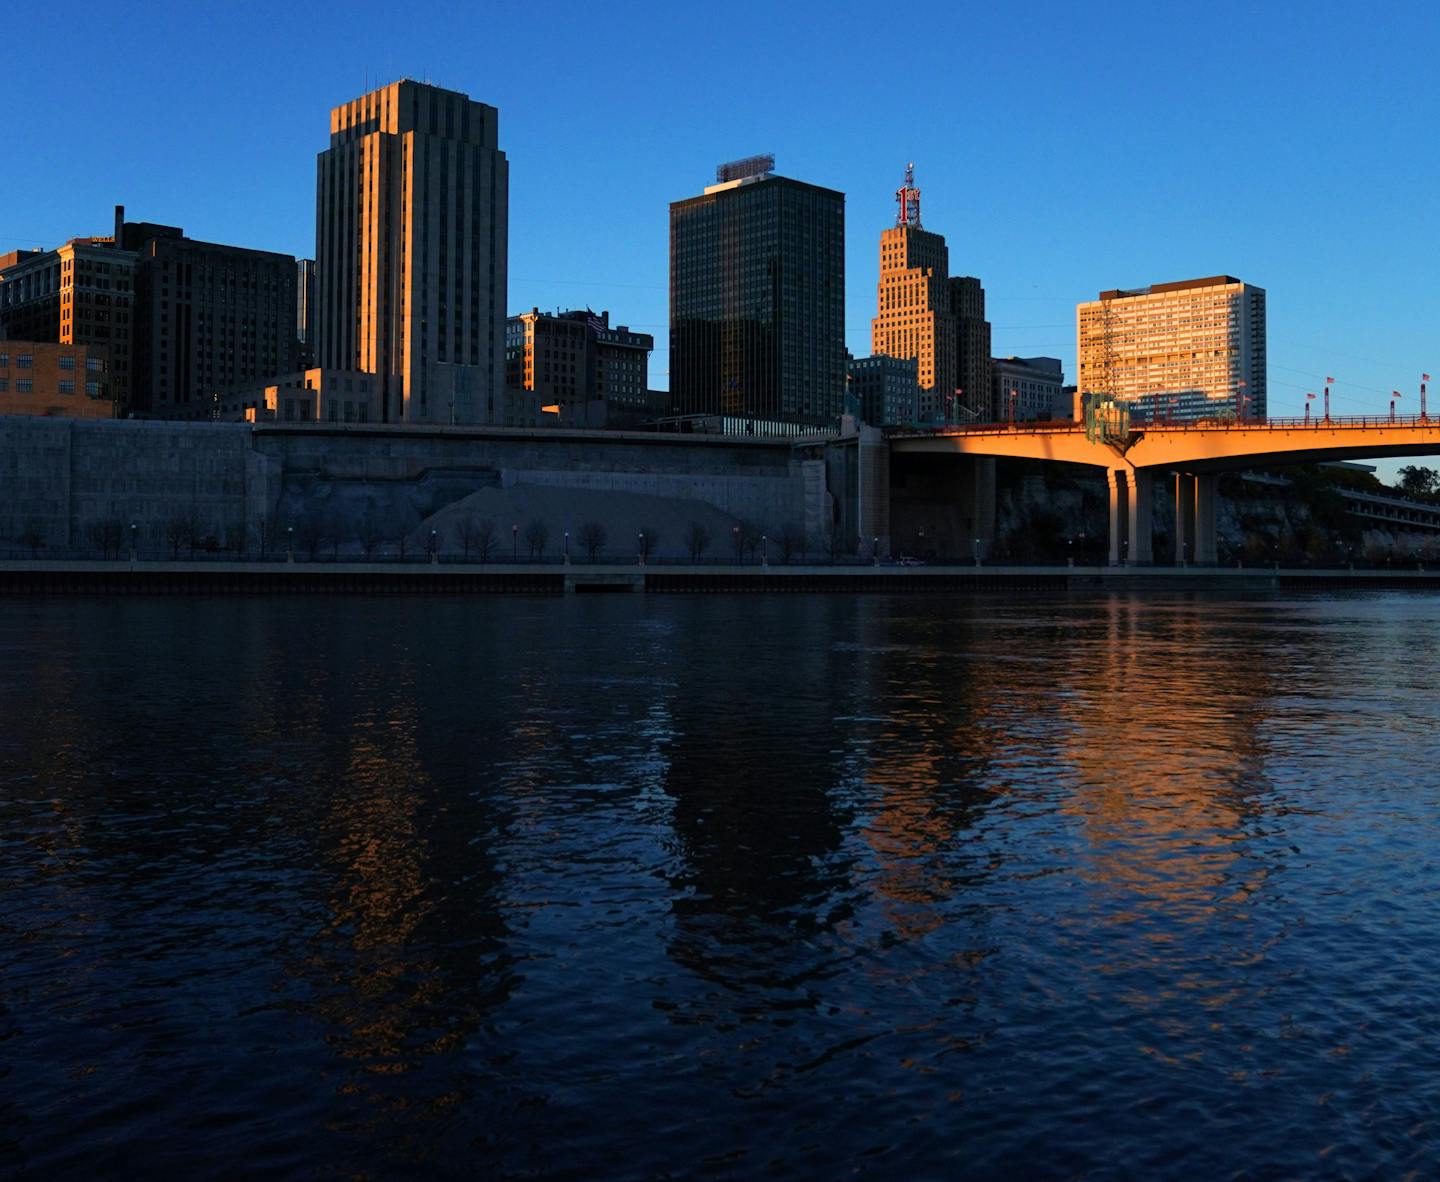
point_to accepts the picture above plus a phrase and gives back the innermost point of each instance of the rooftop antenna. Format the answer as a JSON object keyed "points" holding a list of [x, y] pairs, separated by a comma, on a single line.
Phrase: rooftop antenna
{"points": [[907, 197]]}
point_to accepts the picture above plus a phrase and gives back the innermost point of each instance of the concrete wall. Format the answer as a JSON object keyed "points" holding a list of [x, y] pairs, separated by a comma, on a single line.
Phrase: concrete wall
{"points": [[241, 480]]}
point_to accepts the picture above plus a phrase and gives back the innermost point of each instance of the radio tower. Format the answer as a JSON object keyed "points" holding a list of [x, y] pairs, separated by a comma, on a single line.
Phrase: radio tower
{"points": [[907, 197]]}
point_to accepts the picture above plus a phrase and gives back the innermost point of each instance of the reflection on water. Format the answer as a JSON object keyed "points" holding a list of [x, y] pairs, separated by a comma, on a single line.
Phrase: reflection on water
{"points": [[725, 887]]}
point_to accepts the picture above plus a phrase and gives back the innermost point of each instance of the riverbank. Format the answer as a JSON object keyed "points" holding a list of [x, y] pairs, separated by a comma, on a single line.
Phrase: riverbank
{"points": [[123, 577]]}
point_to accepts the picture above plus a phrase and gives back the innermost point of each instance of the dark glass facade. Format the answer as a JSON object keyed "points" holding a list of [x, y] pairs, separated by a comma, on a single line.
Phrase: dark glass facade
{"points": [[757, 301]]}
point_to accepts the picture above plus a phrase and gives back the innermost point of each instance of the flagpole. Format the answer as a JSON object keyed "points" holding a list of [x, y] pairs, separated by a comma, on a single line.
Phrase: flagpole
{"points": [[1327, 398], [1424, 377]]}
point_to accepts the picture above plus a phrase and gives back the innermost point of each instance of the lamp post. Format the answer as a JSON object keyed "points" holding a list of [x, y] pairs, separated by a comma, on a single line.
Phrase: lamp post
{"points": [[134, 545], [289, 543], [764, 551], [434, 546], [977, 551], [875, 551], [641, 537], [735, 540], [514, 543], [1069, 551], [567, 547]]}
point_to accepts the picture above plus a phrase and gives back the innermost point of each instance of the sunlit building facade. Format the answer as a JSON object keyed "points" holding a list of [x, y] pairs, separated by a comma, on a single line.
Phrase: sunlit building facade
{"points": [[55, 380], [757, 297], [412, 216], [1179, 351]]}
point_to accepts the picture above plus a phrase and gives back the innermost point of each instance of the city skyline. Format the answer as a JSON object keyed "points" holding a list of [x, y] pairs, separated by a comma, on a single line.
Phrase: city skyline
{"points": [[1047, 202]]}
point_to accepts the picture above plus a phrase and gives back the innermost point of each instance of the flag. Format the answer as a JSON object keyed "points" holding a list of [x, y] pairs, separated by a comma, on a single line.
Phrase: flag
{"points": [[1309, 396], [1424, 377], [1394, 393], [1329, 381]]}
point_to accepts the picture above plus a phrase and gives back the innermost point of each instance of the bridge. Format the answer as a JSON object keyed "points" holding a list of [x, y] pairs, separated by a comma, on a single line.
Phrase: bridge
{"points": [[1192, 455]]}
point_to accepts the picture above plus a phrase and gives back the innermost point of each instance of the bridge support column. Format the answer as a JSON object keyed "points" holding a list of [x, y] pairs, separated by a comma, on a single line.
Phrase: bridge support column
{"points": [[1184, 519], [1141, 526], [1206, 553], [1119, 513]]}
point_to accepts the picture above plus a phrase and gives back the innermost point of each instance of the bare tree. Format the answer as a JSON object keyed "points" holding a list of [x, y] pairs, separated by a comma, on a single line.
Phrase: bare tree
{"points": [[177, 529], [465, 531], [750, 536], [108, 536], [370, 533], [591, 538], [792, 541], [697, 540], [536, 535], [309, 533], [485, 538], [648, 541]]}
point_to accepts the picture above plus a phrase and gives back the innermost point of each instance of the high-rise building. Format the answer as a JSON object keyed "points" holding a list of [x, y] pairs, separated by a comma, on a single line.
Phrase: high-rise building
{"points": [[305, 310], [913, 314], [207, 316], [757, 297], [577, 362], [1028, 388], [886, 389], [1188, 350], [972, 346], [82, 293], [411, 224]]}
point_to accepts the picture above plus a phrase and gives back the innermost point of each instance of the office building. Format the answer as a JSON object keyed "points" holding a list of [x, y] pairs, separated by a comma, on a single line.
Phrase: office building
{"points": [[913, 314], [972, 347], [594, 375], [207, 317], [757, 297], [411, 225], [886, 390], [48, 378], [1183, 351], [1028, 388], [80, 294]]}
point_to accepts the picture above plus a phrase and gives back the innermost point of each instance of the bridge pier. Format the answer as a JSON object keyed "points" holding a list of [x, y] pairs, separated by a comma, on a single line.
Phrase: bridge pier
{"points": [[1185, 519], [1141, 525], [1206, 553], [1119, 514]]}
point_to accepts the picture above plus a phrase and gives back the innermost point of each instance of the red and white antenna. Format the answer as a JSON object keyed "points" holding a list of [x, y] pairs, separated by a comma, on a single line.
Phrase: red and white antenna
{"points": [[907, 197]]}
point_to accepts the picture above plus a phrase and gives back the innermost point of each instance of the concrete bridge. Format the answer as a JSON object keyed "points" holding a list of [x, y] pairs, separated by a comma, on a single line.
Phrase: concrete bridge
{"points": [[1192, 455]]}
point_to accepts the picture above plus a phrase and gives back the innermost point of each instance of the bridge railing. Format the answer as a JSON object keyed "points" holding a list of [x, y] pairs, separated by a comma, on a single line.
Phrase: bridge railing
{"points": [[1313, 423]]}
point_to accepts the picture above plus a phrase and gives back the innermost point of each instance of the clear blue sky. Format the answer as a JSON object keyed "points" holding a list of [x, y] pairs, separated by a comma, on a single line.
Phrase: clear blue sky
{"points": [[1062, 148]]}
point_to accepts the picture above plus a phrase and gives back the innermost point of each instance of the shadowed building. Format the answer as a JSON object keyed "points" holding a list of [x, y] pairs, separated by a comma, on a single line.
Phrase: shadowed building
{"points": [[305, 311], [972, 345], [1028, 388], [412, 210], [575, 361], [885, 389], [1179, 351], [757, 297], [207, 316]]}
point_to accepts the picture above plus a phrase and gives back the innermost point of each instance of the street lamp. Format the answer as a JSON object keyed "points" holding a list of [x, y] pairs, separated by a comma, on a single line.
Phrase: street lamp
{"points": [[875, 551], [735, 538], [567, 547], [289, 543], [1069, 551], [514, 543], [434, 546], [133, 544], [641, 536], [764, 551], [976, 551]]}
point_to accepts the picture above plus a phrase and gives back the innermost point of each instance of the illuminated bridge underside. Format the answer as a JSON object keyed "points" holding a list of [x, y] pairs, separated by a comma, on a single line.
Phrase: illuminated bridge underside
{"points": [[1194, 454]]}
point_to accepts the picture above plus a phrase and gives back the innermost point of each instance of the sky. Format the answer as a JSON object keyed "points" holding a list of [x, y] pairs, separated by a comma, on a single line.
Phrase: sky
{"points": [[1061, 148]]}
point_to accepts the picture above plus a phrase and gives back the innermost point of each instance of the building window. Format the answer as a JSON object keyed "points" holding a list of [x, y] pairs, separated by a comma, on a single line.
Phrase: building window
{"points": [[4, 385], [67, 362], [94, 364], [25, 360], [4, 359], [67, 385], [24, 386]]}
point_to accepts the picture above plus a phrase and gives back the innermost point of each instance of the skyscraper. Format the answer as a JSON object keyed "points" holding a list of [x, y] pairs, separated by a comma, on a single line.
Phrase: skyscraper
{"points": [[757, 297], [972, 346], [1187, 350], [412, 215], [913, 315]]}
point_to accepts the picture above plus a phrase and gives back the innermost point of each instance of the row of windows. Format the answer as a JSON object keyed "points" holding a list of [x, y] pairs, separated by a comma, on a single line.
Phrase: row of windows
{"points": [[67, 386]]}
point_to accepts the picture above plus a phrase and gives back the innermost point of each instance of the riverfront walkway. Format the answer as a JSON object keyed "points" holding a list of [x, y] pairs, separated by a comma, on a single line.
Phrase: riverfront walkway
{"points": [[57, 577]]}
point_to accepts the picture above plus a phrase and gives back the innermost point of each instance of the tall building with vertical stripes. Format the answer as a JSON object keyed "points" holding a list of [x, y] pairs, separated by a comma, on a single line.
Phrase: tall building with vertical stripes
{"points": [[411, 225]]}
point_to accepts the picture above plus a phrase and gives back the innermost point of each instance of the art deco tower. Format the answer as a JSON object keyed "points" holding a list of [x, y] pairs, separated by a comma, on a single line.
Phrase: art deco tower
{"points": [[914, 317], [412, 213]]}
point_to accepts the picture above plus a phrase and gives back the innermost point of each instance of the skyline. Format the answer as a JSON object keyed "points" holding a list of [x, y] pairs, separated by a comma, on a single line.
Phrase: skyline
{"points": [[1048, 184]]}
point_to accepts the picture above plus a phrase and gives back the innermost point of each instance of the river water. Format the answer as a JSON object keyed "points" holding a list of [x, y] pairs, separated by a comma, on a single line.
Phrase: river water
{"points": [[644, 887]]}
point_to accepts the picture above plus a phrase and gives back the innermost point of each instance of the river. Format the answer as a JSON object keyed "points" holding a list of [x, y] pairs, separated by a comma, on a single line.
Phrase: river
{"points": [[642, 887]]}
